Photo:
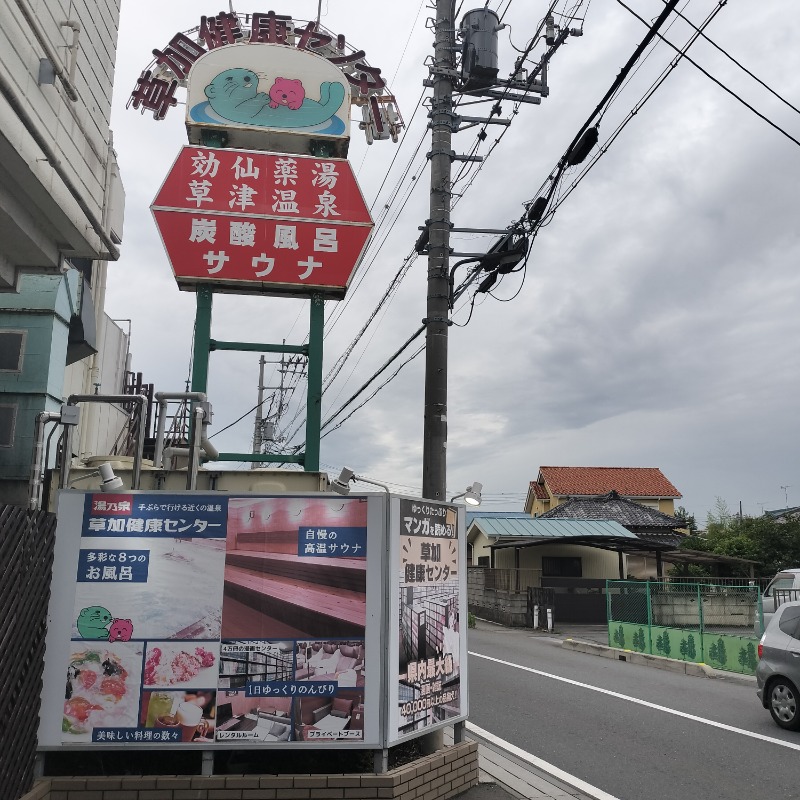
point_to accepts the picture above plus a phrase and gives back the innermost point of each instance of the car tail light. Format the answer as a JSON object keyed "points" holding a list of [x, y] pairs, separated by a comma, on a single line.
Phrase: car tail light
{"points": [[761, 647]]}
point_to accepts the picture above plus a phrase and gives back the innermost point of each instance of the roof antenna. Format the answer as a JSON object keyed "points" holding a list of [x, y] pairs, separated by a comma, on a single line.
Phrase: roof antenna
{"points": [[319, 11]]}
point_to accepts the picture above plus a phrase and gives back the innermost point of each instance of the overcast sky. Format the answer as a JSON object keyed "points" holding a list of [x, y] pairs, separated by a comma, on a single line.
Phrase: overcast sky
{"points": [[657, 322]]}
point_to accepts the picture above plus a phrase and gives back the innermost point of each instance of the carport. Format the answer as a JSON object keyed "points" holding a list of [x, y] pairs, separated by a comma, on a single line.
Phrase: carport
{"points": [[580, 599]]}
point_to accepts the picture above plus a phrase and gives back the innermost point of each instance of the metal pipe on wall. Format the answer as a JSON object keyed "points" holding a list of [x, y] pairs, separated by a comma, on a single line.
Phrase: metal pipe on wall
{"points": [[33, 22], [161, 399], [36, 482], [141, 402]]}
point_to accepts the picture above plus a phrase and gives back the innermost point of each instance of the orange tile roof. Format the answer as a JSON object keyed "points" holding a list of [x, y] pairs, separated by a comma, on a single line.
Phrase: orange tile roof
{"points": [[590, 481], [539, 492]]}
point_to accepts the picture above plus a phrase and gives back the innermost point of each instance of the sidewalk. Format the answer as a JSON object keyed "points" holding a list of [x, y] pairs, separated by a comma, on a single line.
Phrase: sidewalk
{"points": [[504, 776]]}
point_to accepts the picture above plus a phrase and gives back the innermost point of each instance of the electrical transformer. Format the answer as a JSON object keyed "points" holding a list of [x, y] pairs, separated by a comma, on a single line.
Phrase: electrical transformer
{"points": [[479, 48]]}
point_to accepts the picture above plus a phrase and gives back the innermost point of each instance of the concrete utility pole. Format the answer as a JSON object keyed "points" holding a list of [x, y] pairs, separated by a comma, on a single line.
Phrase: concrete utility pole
{"points": [[257, 433], [434, 445]]}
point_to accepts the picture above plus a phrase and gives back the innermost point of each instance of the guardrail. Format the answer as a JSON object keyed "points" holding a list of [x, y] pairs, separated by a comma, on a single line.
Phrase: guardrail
{"points": [[785, 596]]}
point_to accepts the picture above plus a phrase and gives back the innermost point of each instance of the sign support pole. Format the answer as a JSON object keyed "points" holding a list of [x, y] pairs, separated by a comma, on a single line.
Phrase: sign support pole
{"points": [[202, 340], [314, 400]]}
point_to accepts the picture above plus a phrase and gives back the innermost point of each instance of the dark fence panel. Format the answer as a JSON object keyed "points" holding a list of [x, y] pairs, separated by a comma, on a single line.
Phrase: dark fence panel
{"points": [[26, 558], [578, 600]]}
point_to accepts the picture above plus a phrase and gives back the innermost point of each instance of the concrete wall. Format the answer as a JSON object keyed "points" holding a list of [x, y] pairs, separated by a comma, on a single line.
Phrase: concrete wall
{"points": [[507, 608]]}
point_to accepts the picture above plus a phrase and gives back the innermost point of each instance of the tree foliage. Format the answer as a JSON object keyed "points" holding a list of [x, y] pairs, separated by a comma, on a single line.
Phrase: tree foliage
{"points": [[774, 545]]}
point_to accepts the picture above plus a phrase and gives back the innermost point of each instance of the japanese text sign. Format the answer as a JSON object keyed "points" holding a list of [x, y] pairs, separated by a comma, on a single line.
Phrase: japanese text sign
{"points": [[251, 221]]}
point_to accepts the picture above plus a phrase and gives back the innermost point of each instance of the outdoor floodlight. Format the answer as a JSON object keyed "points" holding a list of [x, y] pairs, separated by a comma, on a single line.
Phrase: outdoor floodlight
{"points": [[109, 481], [342, 484], [472, 496]]}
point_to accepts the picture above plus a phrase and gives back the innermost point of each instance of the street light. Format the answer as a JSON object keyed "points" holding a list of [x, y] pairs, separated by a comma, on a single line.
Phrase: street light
{"points": [[109, 482], [472, 495], [342, 484]]}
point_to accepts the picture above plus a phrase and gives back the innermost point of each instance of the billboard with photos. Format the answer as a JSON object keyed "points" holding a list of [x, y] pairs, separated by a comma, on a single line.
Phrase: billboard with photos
{"points": [[206, 620]]}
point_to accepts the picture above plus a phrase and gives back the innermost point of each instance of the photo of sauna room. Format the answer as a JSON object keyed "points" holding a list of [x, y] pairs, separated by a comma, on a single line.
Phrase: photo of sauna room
{"points": [[295, 567], [338, 717], [339, 660]]}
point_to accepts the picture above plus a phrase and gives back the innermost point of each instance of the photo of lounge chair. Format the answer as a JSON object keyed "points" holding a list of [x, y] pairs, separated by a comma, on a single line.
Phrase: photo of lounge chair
{"points": [[333, 660]]}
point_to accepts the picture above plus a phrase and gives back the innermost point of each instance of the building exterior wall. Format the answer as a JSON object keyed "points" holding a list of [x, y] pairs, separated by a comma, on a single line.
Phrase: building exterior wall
{"points": [[595, 563], [662, 504], [61, 202], [480, 549], [101, 423], [76, 131]]}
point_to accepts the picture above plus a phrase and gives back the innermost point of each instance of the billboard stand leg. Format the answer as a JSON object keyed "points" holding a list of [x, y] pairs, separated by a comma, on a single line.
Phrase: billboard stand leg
{"points": [[202, 340], [208, 763], [380, 760], [458, 733]]}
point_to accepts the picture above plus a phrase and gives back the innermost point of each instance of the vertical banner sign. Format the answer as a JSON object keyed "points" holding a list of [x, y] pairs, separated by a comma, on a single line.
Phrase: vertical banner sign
{"points": [[429, 675], [204, 620]]}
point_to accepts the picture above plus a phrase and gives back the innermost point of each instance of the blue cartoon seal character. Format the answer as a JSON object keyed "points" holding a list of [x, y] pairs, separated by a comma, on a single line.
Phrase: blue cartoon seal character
{"points": [[234, 96]]}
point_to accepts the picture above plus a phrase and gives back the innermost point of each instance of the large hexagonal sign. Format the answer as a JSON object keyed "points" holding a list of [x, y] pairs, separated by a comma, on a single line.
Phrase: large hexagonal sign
{"points": [[247, 222]]}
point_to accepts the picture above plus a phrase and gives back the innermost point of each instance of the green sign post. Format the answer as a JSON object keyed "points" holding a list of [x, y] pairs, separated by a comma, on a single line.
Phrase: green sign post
{"points": [[204, 344]]}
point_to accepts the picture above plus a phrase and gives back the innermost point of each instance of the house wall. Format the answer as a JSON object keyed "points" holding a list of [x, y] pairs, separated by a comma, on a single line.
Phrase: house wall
{"points": [[595, 563], [664, 505], [480, 548]]}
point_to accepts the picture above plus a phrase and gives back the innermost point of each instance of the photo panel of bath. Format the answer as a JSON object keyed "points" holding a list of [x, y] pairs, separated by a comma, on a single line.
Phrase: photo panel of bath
{"points": [[295, 567], [149, 588]]}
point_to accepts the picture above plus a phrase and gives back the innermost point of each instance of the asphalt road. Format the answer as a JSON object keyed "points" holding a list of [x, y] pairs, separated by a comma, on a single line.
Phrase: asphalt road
{"points": [[627, 749]]}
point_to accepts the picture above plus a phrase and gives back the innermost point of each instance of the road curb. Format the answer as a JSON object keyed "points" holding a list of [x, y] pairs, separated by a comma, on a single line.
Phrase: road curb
{"points": [[659, 662]]}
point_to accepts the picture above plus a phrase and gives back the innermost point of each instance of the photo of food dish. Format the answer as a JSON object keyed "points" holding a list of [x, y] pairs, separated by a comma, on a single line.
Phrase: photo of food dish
{"points": [[102, 689], [181, 665]]}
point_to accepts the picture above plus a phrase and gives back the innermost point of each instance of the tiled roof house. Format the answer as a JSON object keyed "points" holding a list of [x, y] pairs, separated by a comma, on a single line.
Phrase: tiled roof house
{"points": [[644, 485]]}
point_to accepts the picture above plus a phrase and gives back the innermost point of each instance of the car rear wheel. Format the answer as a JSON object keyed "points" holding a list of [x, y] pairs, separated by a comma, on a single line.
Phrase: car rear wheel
{"points": [[784, 704]]}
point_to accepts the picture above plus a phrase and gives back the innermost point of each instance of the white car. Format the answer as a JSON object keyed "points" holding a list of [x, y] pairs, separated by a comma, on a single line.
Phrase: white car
{"points": [[787, 581], [778, 670]]}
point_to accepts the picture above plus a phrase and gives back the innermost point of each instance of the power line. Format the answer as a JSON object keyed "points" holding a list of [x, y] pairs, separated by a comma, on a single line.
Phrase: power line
{"points": [[633, 112], [715, 80], [738, 64]]}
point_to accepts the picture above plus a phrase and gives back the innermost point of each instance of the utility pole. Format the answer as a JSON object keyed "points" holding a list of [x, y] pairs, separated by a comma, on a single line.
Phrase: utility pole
{"points": [[257, 433], [434, 443]]}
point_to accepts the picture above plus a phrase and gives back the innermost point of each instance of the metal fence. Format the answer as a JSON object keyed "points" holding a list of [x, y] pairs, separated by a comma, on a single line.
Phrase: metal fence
{"points": [[26, 557], [705, 623]]}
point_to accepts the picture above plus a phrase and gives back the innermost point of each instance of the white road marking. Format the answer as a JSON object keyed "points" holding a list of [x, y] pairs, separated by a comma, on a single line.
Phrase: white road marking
{"points": [[553, 770], [637, 701]]}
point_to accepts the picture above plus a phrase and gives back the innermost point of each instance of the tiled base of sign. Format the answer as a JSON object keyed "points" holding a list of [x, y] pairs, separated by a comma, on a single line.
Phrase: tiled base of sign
{"points": [[444, 774]]}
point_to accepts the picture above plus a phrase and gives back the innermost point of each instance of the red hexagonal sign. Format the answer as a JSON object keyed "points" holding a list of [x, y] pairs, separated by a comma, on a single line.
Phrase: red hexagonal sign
{"points": [[244, 221]]}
